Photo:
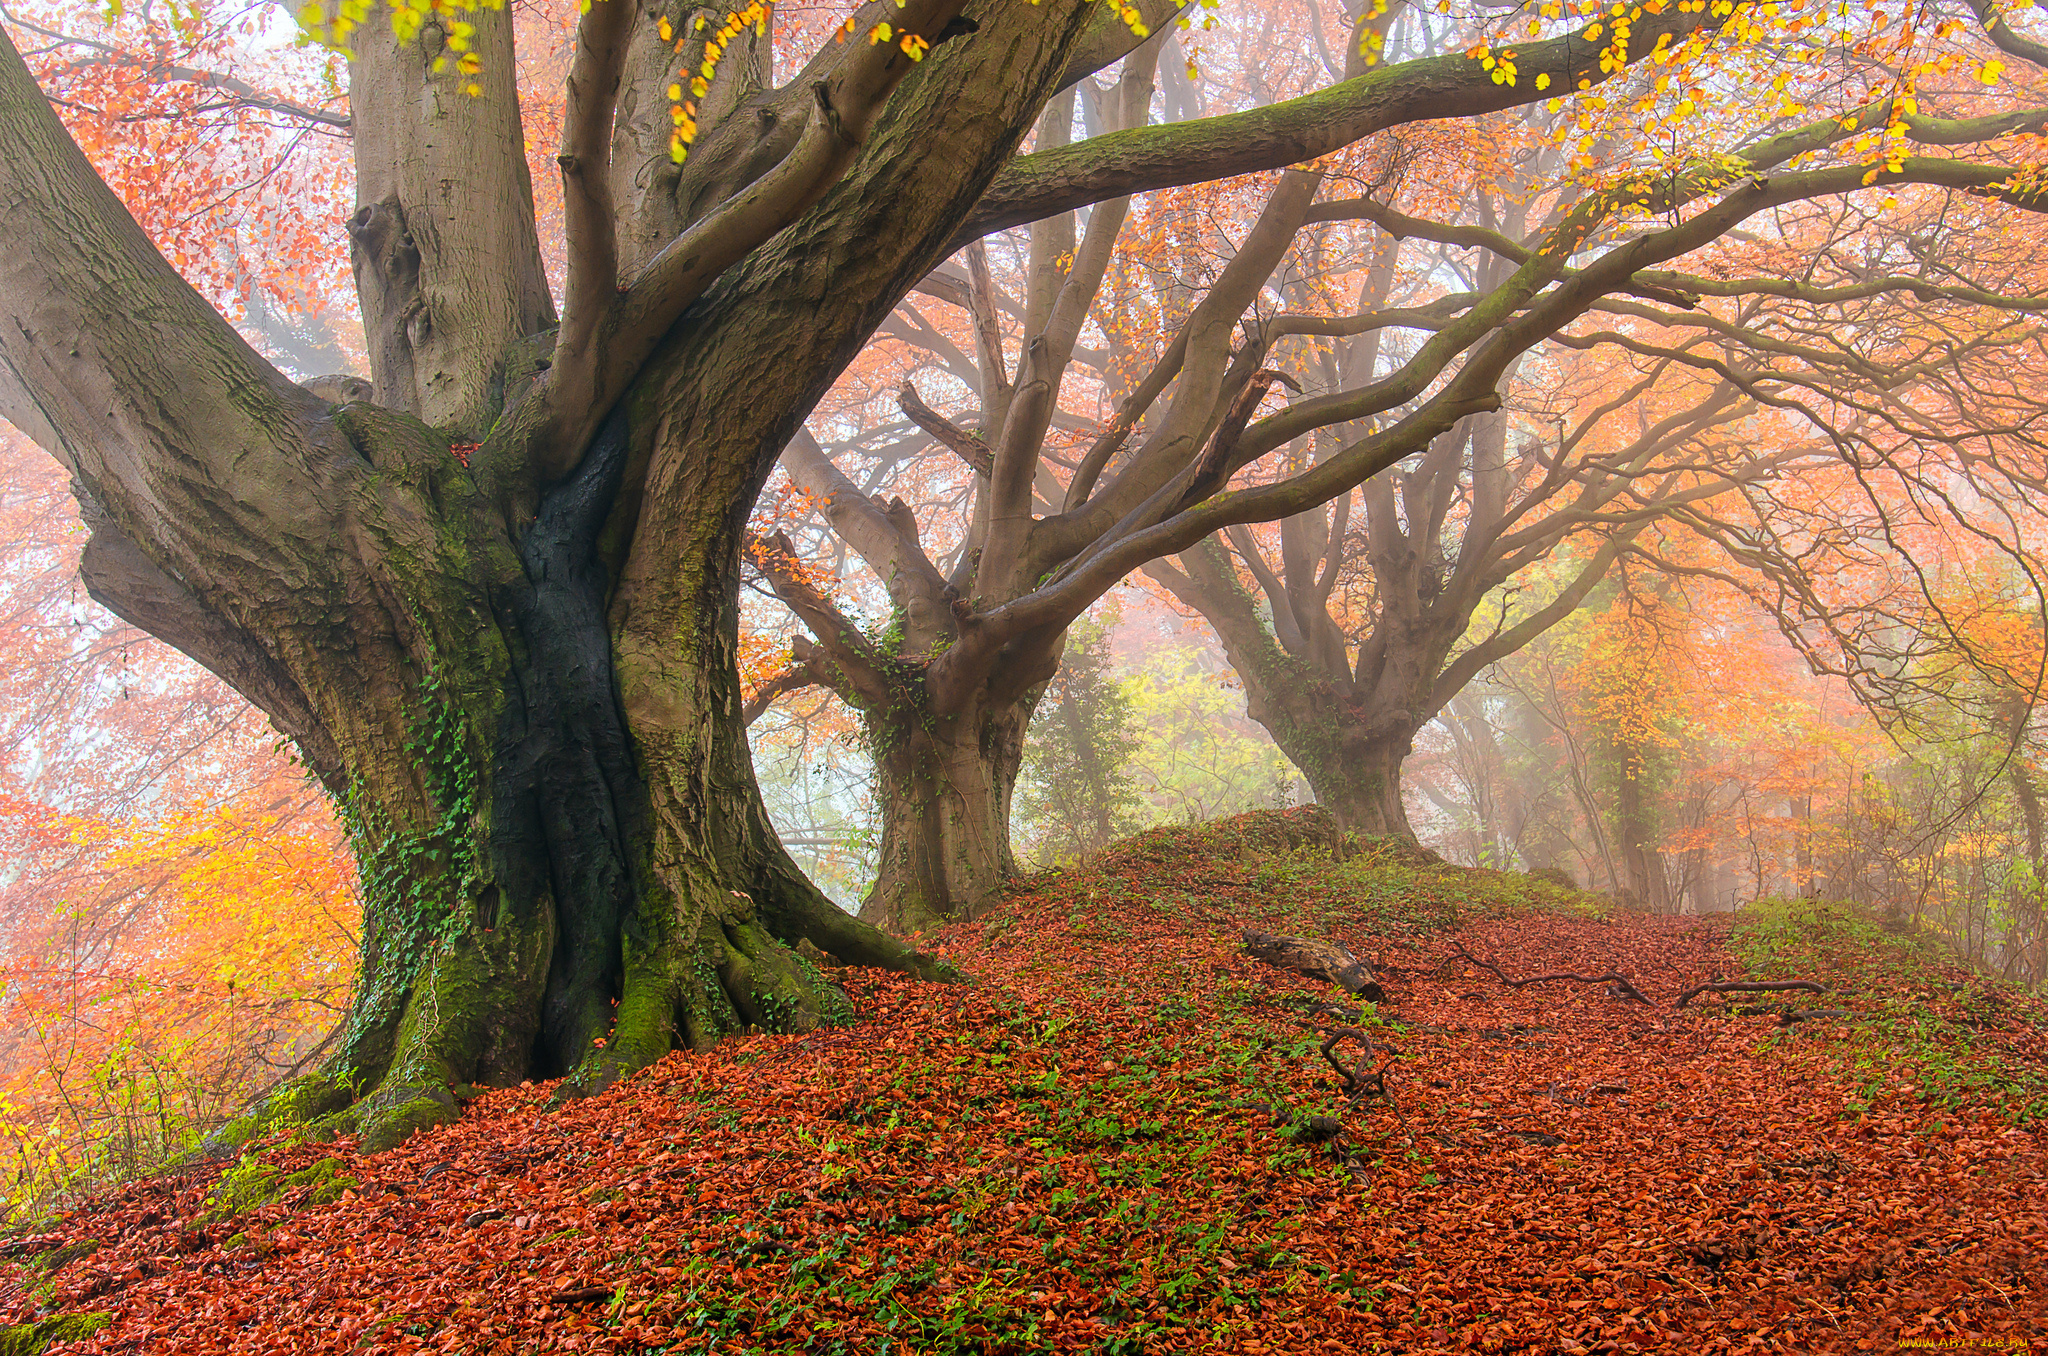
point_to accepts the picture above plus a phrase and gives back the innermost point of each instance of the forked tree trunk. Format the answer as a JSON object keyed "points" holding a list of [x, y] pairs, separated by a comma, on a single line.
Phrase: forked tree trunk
{"points": [[946, 786], [546, 892]]}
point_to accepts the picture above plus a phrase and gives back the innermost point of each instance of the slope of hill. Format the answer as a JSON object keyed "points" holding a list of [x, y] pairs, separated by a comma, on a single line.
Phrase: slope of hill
{"points": [[1125, 1137]]}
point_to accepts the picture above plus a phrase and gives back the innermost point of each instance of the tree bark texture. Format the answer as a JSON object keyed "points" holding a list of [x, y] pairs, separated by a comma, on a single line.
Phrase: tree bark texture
{"points": [[945, 785], [524, 694]]}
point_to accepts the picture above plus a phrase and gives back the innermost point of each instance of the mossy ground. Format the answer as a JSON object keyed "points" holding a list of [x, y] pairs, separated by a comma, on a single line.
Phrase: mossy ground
{"points": [[252, 1182], [33, 1339], [1919, 1021]]}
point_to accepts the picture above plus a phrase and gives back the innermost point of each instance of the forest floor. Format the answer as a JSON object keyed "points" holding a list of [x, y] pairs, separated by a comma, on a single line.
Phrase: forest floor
{"points": [[1107, 1144]]}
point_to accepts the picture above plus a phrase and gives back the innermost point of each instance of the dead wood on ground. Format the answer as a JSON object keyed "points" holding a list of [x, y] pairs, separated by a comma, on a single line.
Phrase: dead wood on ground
{"points": [[1738, 986], [1318, 960]]}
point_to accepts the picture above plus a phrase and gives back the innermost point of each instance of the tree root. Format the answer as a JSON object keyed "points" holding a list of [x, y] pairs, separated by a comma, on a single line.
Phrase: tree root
{"points": [[1622, 985], [1624, 988], [1355, 1086]]}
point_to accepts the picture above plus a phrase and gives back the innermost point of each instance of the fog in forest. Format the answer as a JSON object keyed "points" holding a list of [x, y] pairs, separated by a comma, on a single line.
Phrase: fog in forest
{"points": [[1633, 483]]}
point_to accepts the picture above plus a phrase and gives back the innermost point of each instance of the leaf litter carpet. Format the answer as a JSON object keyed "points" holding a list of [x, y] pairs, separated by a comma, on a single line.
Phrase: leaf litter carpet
{"points": [[1103, 1145]]}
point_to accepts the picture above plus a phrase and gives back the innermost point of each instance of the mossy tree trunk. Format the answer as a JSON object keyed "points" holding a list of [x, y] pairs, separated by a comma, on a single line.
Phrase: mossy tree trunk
{"points": [[946, 755], [1347, 734], [1362, 785], [945, 786], [515, 667], [547, 890]]}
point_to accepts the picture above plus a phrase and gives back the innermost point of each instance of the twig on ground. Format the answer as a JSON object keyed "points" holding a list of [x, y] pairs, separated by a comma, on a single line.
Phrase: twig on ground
{"points": [[1791, 1015], [1356, 1087], [1742, 986]]}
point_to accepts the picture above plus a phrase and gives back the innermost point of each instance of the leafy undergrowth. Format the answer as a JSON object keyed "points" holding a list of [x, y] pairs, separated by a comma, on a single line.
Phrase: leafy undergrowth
{"points": [[1922, 1023], [1108, 1144]]}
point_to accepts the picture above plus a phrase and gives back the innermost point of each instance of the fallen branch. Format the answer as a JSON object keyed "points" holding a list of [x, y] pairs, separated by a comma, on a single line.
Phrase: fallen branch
{"points": [[1336, 1034], [1619, 981], [1318, 960], [1356, 1088], [1773, 986], [1790, 1016]]}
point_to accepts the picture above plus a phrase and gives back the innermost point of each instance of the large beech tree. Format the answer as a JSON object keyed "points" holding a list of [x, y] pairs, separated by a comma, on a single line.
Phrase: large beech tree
{"points": [[515, 667], [492, 595], [946, 721]]}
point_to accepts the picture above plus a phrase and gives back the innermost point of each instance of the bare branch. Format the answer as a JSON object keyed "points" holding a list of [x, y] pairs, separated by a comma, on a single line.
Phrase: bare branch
{"points": [[239, 91], [589, 98], [848, 654], [967, 446]]}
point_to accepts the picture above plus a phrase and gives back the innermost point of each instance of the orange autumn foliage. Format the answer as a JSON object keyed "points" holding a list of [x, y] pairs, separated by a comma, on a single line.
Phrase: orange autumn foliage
{"points": [[177, 906]]}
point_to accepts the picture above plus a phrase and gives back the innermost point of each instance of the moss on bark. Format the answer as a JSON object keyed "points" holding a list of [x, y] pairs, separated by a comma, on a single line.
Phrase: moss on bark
{"points": [[251, 1183]]}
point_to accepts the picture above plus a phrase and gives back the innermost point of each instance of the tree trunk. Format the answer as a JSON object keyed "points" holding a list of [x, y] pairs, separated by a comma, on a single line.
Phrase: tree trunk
{"points": [[1361, 784], [1635, 827], [945, 784], [1348, 737], [547, 893]]}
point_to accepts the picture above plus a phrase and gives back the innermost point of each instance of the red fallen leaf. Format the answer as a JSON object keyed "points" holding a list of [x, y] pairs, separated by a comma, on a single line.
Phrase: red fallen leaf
{"points": [[931, 1139]]}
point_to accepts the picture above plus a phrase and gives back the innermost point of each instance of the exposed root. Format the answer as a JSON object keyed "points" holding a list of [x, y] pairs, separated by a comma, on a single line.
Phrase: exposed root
{"points": [[305, 1100], [1623, 986], [721, 964]]}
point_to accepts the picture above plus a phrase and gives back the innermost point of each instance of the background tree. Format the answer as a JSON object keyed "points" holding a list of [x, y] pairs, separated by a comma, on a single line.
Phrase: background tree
{"points": [[1354, 625], [975, 615]]}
